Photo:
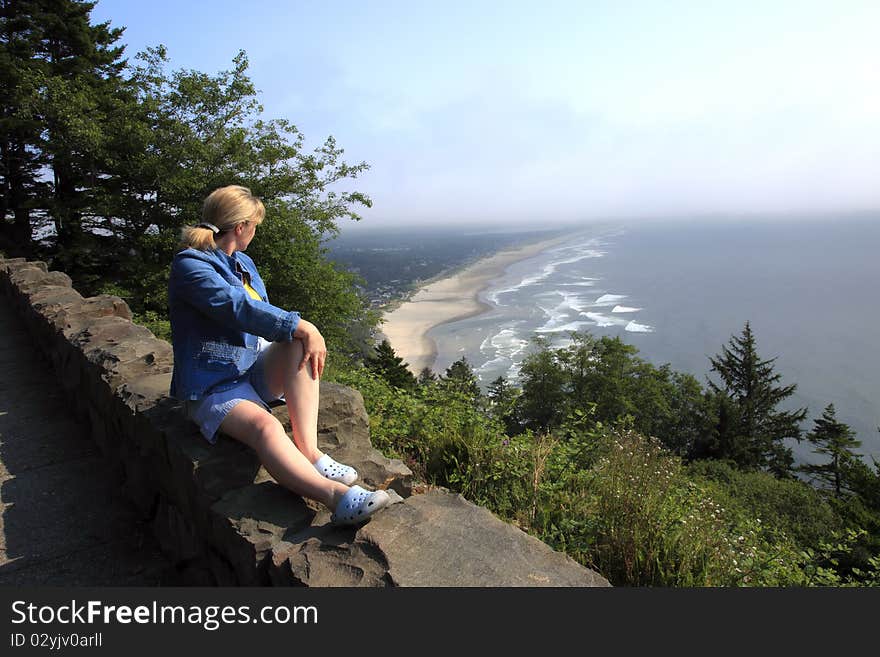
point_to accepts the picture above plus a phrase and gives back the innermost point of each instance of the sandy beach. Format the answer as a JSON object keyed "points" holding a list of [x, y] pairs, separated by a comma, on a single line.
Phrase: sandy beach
{"points": [[447, 300]]}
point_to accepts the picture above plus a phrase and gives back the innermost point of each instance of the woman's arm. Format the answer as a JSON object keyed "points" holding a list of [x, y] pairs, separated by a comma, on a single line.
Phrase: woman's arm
{"points": [[314, 347], [200, 285]]}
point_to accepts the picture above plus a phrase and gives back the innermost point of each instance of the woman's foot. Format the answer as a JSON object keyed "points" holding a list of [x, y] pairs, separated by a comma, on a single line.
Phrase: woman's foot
{"points": [[357, 505], [336, 471]]}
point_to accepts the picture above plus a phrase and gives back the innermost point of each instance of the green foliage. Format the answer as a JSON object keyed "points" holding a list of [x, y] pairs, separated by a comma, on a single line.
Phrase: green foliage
{"points": [[460, 378], [542, 404], [390, 366], [644, 524], [836, 441], [503, 401], [445, 439], [61, 84], [749, 429], [788, 507], [605, 378], [617, 501], [133, 149], [426, 377]]}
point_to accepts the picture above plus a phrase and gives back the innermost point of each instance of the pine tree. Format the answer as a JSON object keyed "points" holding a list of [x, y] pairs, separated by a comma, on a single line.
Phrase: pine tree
{"points": [[62, 83], [460, 378], [83, 67], [751, 431], [835, 440], [426, 377], [20, 127], [499, 391], [391, 367]]}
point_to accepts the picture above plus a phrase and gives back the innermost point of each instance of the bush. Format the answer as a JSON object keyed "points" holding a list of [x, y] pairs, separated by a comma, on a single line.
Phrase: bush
{"points": [[790, 507], [647, 525]]}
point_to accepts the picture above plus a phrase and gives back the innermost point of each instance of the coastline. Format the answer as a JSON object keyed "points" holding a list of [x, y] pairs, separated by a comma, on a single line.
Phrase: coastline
{"points": [[448, 298]]}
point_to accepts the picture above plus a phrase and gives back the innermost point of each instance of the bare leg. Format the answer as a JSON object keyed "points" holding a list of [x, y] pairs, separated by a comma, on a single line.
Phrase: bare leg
{"points": [[301, 392], [254, 426]]}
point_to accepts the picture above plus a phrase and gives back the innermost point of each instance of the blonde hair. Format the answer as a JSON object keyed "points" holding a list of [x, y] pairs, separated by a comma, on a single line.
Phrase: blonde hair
{"points": [[222, 210]]}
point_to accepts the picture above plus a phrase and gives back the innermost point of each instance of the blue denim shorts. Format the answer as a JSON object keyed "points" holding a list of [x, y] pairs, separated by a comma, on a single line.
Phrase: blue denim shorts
{"points": [[210, 411]]}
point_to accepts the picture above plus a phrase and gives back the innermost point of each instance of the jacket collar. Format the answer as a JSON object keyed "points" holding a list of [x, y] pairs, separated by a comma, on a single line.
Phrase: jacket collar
{"points": [[217, 255]]}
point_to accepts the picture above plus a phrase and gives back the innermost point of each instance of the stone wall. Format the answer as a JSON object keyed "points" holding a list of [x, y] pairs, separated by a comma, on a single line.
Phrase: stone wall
{"points": [[216, 512]]}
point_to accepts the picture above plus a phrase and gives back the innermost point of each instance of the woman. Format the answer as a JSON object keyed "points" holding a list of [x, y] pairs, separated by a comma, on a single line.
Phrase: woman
{"points": [[234, 353]]}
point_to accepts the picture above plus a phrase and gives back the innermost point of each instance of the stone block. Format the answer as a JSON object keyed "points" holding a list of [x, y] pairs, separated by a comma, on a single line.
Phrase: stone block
{"points": [[321, 562], [250, 521], [442, 539], [176, 535]]}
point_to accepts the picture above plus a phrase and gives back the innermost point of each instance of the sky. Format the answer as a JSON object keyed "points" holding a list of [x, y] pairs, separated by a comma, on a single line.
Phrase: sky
{"points": [[537, 113]]}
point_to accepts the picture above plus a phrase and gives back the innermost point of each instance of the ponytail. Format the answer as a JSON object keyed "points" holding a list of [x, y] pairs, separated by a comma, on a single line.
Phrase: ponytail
{"points": [[197, 237]]}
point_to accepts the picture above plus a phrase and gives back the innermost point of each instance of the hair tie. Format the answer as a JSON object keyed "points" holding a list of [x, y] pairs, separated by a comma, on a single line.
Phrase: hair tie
{"points": [[211, 227]]}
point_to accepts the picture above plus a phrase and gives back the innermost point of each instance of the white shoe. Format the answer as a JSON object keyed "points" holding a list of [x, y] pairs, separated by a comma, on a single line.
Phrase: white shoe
{"points": [[358, 504], [336, 471]]}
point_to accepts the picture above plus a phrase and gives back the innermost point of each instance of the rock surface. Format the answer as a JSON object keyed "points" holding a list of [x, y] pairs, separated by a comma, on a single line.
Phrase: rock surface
{"points": [[434, 539]]}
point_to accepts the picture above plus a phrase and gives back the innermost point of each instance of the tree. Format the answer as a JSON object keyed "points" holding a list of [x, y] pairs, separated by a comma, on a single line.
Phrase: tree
{"points": [[61, 81], [749, 429], [499, 392], [460, 378], [190, 132], [20, 127], [611, 378], [426, 377], [542, 405], [502, 404], [82, 88], [390, 367], [835, 440]]}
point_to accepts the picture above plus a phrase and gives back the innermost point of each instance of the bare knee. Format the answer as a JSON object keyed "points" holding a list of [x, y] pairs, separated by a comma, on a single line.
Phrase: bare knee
{"points": [[267, 431], [283, 359]]}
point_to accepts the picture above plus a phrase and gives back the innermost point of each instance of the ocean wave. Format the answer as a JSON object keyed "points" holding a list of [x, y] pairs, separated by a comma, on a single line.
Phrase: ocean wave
{"points": [[562, 328], [625, 309], [602, 321], [551, 267], [564, 315], [574, 302], [591, 253], [609, 299], [634, 327], [490, 365], [504, 344], [577, 247]]}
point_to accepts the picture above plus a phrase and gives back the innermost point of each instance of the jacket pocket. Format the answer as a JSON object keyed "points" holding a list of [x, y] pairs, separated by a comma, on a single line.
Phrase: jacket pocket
{"points": [[218, 356]]}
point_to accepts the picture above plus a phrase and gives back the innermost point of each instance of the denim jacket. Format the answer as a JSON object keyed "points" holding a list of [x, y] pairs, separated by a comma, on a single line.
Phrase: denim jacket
{"points": [[216, 324]]}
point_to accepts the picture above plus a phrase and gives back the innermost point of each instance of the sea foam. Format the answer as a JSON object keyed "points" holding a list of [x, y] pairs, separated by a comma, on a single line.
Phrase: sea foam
{"points": [[634, 327], [604, 320], [608, 299]]}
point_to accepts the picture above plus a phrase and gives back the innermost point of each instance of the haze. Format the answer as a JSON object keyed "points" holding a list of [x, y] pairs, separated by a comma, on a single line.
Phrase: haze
{"points": [[509, 112]]}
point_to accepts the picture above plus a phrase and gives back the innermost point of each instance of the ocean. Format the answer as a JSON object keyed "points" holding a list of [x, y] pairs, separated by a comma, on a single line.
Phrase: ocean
{"points": [[678, 291]]}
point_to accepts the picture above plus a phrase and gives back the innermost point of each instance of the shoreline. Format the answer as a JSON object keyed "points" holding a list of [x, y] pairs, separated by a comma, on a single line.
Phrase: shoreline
{"points": [[447, 298]]}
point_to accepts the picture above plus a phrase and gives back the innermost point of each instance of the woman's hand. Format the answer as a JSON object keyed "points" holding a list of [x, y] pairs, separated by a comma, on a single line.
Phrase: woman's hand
{"points": [[314, 347]]}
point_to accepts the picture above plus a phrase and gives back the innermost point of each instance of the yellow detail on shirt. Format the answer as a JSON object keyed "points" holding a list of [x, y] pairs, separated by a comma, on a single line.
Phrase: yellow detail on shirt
{"points": [[251, 291]]}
